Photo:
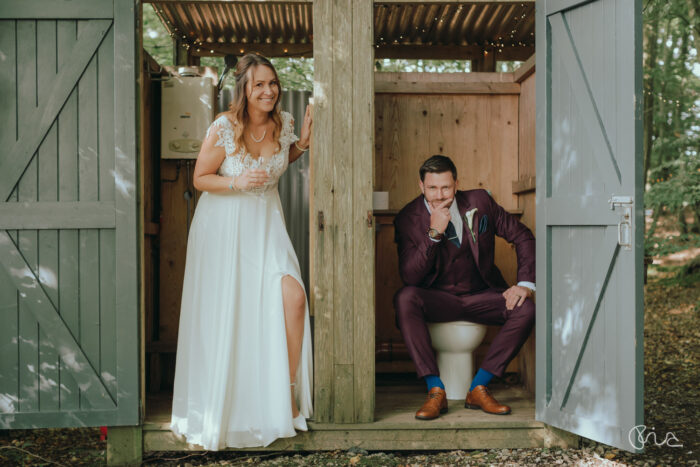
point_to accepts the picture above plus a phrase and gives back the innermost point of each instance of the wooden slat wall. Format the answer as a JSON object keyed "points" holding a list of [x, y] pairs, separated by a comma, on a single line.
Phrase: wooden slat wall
{"points": [[343, 250], [526, 202]]}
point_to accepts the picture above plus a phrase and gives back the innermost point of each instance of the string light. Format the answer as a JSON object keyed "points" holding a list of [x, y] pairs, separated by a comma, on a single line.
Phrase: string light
{"points": [[693, 108]]}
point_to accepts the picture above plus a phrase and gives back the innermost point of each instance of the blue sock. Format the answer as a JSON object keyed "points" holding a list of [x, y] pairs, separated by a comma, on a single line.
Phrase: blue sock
{"points": [[482, 378], [433, 381]]}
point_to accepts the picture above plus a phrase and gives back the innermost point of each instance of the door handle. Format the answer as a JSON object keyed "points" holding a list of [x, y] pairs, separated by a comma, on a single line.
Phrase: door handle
{"points": [[624, 227]]}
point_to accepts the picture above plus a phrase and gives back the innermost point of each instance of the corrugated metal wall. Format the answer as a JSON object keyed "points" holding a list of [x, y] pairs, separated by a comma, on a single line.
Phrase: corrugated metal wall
{"points": [[294, 184]]}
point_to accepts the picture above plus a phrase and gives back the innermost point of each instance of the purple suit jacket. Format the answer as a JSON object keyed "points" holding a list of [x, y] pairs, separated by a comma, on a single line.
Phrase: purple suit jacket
{"points": [[428, 264]]}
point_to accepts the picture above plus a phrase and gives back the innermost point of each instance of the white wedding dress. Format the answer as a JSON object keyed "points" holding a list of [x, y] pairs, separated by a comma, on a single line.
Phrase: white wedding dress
{"points": [[232, 385]]}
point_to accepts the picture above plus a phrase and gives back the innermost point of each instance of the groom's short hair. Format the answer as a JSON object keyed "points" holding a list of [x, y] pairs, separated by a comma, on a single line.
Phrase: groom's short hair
{"points": [[438, 164]]}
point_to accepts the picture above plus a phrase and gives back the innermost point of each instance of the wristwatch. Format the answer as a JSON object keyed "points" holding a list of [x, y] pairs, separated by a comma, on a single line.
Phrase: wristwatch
{"points": [[434, 234]]}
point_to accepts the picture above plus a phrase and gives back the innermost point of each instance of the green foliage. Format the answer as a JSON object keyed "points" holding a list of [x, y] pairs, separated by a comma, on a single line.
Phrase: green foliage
{"points": [[675, 185], [672, 108], [671, 79], [662, 246], [156, 40]]}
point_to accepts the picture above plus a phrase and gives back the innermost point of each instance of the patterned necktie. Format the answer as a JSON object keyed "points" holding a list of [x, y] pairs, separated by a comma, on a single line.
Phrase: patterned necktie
{"points": [[451, 234]]}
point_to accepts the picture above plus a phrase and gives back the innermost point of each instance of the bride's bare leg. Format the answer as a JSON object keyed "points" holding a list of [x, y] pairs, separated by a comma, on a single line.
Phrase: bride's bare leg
{"points": [[294, 301]]}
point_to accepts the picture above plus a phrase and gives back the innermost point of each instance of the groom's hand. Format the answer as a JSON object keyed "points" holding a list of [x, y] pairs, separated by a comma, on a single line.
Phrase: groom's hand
{"points": [[440, 216], [516, 295]]}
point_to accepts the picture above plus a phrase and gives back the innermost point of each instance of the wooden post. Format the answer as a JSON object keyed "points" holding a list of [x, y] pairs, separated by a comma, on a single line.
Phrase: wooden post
{"points": [[486, 62], [124, 445], [554, 436], [343, 289], [182, 55]]}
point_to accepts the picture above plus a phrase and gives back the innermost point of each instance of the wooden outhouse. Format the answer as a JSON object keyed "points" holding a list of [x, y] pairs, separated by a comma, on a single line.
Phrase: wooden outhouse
{"points": [[560, 135]]}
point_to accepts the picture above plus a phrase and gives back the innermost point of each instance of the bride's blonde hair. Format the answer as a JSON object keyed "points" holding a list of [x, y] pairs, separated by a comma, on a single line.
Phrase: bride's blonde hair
{"points": [[239, 105]]}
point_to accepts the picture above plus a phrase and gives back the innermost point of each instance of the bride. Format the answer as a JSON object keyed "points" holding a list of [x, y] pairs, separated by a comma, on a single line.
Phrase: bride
{"points": [[243, 375]]}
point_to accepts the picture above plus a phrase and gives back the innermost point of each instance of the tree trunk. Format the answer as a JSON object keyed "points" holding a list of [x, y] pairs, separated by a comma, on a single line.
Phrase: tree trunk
{"points": [[651, 49]]}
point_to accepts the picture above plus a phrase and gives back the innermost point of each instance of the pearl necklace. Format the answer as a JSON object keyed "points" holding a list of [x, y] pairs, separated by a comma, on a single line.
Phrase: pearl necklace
{"points": [[261, 138]]}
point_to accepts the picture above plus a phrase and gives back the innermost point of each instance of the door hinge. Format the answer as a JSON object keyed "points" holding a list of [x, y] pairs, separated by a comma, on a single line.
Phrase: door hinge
{"points": [[624, 227]]}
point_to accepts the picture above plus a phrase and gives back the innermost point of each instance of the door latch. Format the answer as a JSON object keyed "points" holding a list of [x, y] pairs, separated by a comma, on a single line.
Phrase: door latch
{"points": [[624, 227]]}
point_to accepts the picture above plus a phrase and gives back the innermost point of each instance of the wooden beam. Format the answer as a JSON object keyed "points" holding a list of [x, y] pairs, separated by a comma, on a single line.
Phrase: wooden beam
{"points": [[525, 70], [451, 52], [363, 223], [524, 185], [383, 439], [56, 9], [419, 2], [57, 215], [244, 2], [445, 83], [322, 191], [239, 48], [124, 445]]}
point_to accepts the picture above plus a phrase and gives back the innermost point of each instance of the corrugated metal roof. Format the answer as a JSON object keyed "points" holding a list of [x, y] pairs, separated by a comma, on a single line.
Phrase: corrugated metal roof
{"points": [[481, 24], [401, 30]]}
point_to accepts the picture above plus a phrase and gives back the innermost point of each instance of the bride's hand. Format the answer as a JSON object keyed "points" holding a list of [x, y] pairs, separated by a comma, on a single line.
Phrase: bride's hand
{"points": [[251, 178], [305, 137]]}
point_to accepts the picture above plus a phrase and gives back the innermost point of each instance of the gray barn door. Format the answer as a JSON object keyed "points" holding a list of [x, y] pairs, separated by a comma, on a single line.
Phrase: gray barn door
{"points": [[68, 251], [589, 256]]}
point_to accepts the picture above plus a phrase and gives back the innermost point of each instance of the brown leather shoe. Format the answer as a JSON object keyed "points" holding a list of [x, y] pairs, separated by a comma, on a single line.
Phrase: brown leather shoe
{"points": [[481, 398], [434, 405]]}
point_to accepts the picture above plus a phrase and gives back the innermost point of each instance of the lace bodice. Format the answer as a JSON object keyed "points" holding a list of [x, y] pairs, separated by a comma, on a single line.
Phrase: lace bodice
{"points": [[236, 161]]}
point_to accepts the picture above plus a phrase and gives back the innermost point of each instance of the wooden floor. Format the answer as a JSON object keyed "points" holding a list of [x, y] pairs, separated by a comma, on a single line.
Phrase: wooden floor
{"points": [[394, 428]]}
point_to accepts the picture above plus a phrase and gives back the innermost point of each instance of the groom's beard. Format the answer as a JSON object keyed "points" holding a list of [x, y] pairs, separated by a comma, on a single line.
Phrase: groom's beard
{"points": [[436, 202]]}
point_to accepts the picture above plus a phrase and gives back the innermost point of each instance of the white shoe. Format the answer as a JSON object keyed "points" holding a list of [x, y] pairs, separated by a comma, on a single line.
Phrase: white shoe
{"points": [[299, 423]]}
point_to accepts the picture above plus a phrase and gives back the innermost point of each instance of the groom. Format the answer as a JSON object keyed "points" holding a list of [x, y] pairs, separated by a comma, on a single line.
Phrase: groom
{"points": [[446, 241]]}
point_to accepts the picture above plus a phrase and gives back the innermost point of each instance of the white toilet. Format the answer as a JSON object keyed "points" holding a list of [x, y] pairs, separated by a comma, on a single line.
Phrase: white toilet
{"points": [[454, 343]]}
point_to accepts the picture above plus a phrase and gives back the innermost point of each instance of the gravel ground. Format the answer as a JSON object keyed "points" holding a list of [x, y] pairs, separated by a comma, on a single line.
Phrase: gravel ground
{"points": [[672, 405]]}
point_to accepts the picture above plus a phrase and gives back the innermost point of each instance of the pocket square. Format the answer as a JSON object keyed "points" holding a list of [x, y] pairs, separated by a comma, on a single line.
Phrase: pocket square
{"points": [[483, 224]]}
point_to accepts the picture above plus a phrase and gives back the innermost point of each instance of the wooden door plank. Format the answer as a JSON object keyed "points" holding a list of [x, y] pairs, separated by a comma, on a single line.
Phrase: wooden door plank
{"points": [[43, 115], [55, 9], [9, 345], [9, 298], [27, 239], [57, 215], [363, 220], [323, 192], [105, 142], [343, 409], [48, 239], [342, 182], [88, 190], [43, 311], [68, 243], [126, 246]]}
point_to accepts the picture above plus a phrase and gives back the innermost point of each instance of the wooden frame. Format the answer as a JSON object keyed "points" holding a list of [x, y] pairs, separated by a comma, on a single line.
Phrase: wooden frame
{"points": [[343, 146]]}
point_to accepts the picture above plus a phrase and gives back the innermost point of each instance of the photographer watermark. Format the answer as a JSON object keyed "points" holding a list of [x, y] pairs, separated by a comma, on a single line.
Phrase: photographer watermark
{"points": [[638, 438]]}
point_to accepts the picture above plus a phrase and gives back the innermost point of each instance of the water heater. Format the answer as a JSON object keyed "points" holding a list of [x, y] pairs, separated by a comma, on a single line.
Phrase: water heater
{"points": [[188, 105]]}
